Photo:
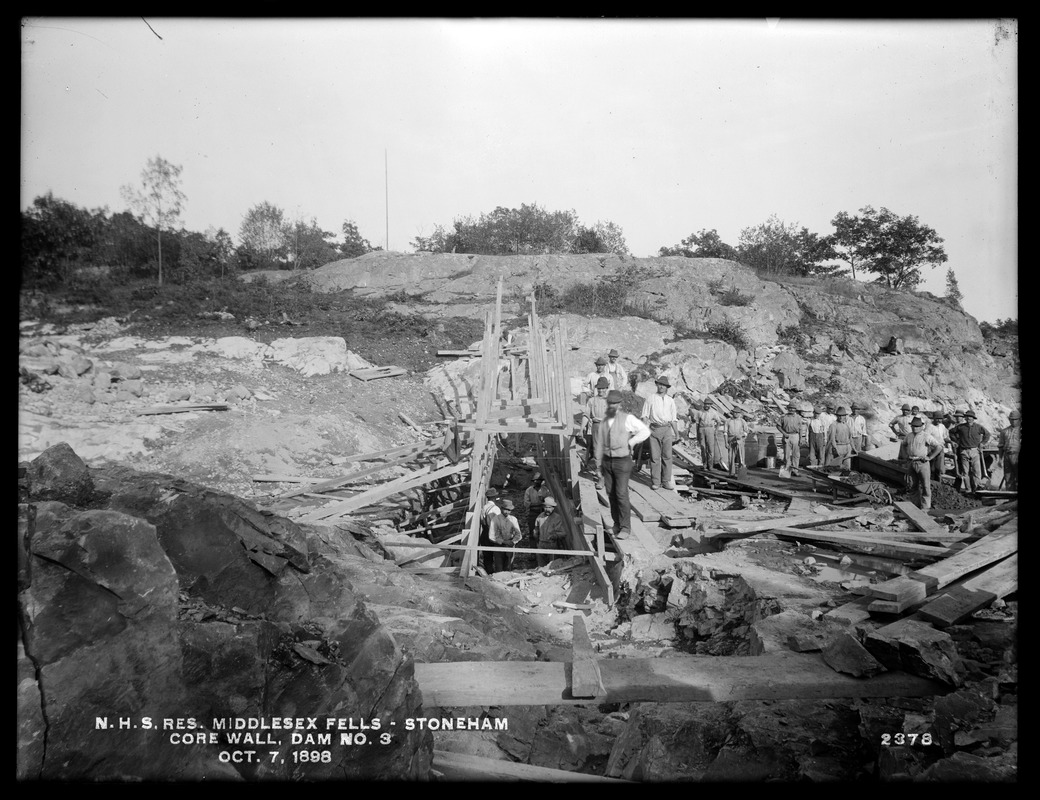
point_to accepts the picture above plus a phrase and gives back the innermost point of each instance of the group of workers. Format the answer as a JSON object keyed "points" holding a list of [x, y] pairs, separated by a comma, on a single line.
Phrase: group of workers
{"points": [[614, 439]]}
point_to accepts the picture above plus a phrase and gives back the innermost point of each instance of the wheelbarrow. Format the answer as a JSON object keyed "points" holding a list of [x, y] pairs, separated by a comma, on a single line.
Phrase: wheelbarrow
{"points": [[875, 490]]}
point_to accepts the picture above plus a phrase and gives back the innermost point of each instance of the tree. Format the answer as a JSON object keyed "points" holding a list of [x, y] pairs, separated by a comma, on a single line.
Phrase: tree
{"points": [[159, 200], [706, 244], [780, 248], [953, 290], [263, 236], [309, 246], [354, 244], [849, 240], [436, 242], [55, 237], [603, 237], [888, 245]]}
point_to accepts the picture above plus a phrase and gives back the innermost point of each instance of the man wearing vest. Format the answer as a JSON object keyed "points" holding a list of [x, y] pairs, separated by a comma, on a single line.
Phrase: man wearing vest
{"points": [[1010, 445], [616, 372], [840, 440], [660, 414], [707, 421], [920, 448], [618, 434], [791, 426], [736, 432], [595, 409], [970, 438], [818, 437]]}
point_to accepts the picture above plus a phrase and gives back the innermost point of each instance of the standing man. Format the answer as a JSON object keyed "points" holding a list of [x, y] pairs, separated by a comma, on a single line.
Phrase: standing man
{"points": [[1010, 444], [958, 420], [616, 372], [937, 430], [660, 414], [840, 440], [828, 415], [489, 510], [552, 535], [589, 388], [736, 432], [618, 434], [594, 412], [818, 426], [791, 426], [505, 532], [900, 426], [920, 449], [970, 438], [534, 499], [858, 423], [707, 421]]}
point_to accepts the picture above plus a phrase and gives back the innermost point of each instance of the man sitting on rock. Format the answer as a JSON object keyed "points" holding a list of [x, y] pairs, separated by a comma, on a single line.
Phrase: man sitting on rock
{"points": [[919, 449]]}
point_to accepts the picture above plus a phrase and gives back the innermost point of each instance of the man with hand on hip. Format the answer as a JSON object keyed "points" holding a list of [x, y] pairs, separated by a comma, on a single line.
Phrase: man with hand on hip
{"points": [[660, 414], [618, 434]]}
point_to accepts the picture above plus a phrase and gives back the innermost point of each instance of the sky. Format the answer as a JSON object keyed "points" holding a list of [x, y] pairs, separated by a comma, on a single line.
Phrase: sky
{"points": [[664, 127]]}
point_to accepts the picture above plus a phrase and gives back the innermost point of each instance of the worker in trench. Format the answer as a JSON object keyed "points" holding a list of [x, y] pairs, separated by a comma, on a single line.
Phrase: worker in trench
{"points": [[919, 448], [593, 415], [504, 532], [534, 501], [552, 534]]}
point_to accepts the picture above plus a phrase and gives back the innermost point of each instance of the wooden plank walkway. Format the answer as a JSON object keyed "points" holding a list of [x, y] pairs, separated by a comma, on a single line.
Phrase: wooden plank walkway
{"points": [[775, 676]]}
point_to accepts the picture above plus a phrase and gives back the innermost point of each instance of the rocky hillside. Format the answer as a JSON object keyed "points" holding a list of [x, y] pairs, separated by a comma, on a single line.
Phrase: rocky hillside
{"points": [[709, 321]]}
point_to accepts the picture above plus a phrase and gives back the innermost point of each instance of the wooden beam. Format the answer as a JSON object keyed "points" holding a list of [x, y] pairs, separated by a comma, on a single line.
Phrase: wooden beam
{"points": [[774, 676], [402, 484], [742, 528], [874, 545], [914, 587], [957, 604], [152, 410], [586, 680], [336, 483], [464, 767], [919, 518]]}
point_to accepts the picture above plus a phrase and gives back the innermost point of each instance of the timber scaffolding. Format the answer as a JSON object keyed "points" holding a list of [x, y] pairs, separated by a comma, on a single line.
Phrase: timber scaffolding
{"points": [[532, 398], [537, 401]]}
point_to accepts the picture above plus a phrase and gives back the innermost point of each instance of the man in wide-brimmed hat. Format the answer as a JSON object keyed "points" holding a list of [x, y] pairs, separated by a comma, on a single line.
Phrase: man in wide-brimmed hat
{"points": [[618, 434], [970, 438], [918, 448], [660, 414], [616, 372], [1009, 446], [841, 443]]}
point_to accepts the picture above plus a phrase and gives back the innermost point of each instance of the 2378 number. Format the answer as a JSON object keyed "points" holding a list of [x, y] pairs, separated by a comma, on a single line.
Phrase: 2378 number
{"points": [[899, 739]]}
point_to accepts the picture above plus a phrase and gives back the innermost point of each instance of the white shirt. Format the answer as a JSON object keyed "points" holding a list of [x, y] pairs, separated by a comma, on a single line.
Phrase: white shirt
{"points": [[828, 420], [858, 424], [593, 377], [634, 425], [819, 424], [617, 374], [659, 409]]}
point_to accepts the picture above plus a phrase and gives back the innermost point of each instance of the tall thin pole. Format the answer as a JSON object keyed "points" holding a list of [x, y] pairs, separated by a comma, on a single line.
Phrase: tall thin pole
{"points": [[386, 187]]}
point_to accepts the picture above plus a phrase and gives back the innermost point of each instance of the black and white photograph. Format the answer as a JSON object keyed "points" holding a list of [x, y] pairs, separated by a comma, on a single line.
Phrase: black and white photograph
{"points": [[538, 399]]}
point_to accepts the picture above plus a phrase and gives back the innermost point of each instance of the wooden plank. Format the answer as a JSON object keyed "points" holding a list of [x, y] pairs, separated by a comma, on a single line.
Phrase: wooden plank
{"points": [[917, 585], [493, 549], [463, 767], [533, 427], [280, 479], [152, 410], [586, 680], [741, 528], [402, 484], [410, 422], [919, 518], [957, 604], [373, 373], [335, 483], [773, 676], [877, 546]]}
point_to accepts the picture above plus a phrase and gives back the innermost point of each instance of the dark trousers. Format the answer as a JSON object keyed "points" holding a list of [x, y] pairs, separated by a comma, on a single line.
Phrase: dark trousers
{"points": [[661, 438], [616, 472], [487, 560], [590, 439], [937, 466], [532, 517]]}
